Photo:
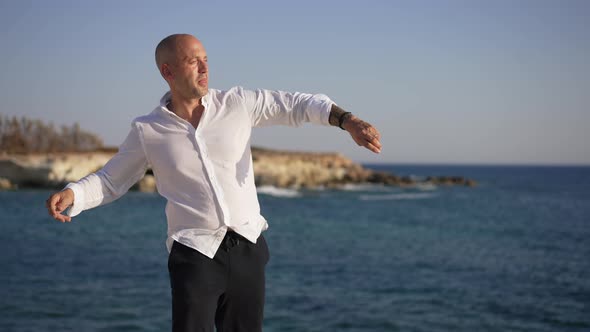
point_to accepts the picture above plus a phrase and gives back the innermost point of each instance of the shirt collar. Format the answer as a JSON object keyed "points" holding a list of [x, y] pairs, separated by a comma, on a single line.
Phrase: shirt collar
{"points": [[168, 95], [165, 100]]}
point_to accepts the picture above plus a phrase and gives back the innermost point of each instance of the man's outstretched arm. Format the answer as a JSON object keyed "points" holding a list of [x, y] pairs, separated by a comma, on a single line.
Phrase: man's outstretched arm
{"points": [[104, 186], [363, 133], [267, 107]]}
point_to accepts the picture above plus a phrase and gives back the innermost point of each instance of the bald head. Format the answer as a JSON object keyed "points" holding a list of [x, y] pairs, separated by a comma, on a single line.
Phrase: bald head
{"points": [[182, 62], [167, 49]]}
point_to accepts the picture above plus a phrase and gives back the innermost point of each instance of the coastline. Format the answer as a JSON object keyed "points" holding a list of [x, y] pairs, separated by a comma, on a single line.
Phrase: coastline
{"points": [[277, 168]]}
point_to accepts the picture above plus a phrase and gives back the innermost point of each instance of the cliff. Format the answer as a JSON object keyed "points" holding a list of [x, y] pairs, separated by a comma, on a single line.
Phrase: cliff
{"points": [[271, 167], [49, 170]]}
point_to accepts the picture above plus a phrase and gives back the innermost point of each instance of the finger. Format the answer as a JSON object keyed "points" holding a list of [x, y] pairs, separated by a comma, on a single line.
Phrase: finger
{"points": [[371, 133], [48, 203], [56, 211], [52, 203], [373, 139], [373, 147], [61, 207], [62, 218]]}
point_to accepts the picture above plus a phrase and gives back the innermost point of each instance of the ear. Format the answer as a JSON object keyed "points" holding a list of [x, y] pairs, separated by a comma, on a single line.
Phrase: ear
{"points": [[166, 72]]}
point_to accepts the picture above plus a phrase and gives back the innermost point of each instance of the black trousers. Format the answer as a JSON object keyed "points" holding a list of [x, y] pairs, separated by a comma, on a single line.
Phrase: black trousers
{"points": [[226, 292]]}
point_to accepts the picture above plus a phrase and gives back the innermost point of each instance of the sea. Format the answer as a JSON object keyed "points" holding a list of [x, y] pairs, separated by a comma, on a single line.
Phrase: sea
{"points": [[511, 254]]}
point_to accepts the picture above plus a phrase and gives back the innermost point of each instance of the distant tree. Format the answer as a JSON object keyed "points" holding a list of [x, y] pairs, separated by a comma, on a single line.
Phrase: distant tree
{"points": [[25, 135]]}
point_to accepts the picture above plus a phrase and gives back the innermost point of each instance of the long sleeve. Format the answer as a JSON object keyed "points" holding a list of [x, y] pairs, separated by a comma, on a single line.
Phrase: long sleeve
{"points": [[268, 107], [114, 179]]}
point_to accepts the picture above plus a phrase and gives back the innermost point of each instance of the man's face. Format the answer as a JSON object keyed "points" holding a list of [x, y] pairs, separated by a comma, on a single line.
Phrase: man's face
{"points": [[191, 72]]}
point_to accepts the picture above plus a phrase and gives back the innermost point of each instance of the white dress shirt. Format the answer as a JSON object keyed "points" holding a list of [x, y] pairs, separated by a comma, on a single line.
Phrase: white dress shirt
{"points": [[205, 174]]}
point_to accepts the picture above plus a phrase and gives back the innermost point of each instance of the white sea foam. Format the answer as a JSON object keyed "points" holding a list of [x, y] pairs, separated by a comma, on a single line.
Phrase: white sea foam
{"points": [[426, 186], [364, 187], [277, 192], [395, 197], [318, 188]]}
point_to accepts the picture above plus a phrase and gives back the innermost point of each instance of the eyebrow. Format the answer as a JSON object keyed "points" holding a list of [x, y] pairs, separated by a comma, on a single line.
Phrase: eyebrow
{"points": [[190, 57]]}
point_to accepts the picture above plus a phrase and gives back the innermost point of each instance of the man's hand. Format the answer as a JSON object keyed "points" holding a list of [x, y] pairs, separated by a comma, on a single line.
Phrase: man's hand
{"points": [[363, 133], [58, 202]]}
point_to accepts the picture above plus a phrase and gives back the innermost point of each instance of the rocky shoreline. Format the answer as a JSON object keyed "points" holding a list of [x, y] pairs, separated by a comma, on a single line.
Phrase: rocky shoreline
{"points": [[282, 169]]}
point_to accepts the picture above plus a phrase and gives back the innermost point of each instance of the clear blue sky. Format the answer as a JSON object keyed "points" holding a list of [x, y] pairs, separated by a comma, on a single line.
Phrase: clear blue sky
{"points": [[444, 81]]}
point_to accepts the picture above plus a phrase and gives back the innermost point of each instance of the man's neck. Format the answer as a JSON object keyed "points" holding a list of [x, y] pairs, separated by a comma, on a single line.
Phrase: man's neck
{"points": [[183, 107]]}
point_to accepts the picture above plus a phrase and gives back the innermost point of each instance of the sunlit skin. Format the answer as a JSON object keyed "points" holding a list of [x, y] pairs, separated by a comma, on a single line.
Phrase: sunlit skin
{"points": [[58, 203], [362, 133], [187, 73]]}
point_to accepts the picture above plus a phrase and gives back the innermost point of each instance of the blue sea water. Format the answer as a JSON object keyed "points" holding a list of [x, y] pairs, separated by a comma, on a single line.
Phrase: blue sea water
{"points": [[511, 254]]}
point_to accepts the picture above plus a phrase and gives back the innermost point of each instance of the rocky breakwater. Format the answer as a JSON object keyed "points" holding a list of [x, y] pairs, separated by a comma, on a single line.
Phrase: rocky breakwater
{"points": [[271, 167], [331, 170]]}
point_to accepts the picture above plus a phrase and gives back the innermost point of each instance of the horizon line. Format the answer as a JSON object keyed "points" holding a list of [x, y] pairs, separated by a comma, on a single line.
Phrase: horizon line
{"points": [[474, 164]]}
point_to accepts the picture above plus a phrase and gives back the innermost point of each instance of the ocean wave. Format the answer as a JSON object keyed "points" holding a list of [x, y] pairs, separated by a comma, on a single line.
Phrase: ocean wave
{"points": [[277, 192], [394, 197], [426, 187], [364, 187]]}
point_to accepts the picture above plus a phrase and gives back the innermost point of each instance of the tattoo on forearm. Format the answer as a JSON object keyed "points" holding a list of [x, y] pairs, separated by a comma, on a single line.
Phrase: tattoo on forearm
{"points": [[335, 114]]}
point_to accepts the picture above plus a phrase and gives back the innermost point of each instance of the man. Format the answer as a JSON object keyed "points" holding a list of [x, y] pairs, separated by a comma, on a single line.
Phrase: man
{"points": [[197, 143]]}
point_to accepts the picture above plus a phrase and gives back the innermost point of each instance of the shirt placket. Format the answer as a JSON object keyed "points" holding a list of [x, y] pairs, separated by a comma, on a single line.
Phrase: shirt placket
{"points": [[211, 175]]}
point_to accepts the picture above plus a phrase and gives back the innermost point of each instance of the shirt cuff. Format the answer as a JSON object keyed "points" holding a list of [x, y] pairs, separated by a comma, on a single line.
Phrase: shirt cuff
{"points": [[324, 104], [78, 205]]}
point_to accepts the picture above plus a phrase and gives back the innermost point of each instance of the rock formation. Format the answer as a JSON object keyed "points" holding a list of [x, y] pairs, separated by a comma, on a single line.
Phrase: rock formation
{"points": [[50, 170], [277, 168]]}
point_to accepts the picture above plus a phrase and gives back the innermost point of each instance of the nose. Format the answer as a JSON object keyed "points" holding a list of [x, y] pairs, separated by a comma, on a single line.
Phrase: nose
{"points": [[203, 66]]}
